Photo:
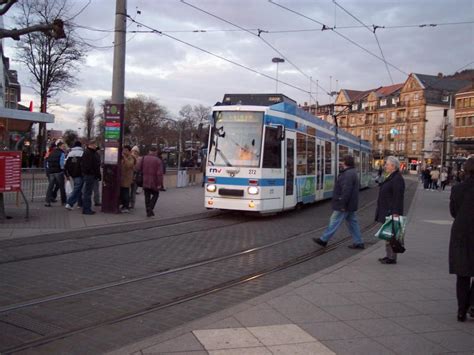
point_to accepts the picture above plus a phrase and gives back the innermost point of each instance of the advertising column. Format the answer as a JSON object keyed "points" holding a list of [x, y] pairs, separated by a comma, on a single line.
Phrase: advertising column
{"points": [[113, 133]]}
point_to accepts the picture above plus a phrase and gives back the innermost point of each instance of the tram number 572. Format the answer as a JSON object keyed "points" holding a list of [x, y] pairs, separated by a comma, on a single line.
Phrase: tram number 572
{"points": [[252, 172]]}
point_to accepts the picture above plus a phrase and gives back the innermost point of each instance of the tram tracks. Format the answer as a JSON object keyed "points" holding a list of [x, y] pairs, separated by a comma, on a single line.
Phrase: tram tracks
{"points": [[178, 299]]}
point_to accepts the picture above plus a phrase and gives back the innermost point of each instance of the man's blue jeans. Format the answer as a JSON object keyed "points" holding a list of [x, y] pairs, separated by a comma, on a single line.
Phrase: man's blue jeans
{"points": [[87, 193], [76, 194], [335, 222]]}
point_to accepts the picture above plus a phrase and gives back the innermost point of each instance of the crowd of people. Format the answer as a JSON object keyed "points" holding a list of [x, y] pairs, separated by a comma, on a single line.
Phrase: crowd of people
{"points": [[80, 167]]}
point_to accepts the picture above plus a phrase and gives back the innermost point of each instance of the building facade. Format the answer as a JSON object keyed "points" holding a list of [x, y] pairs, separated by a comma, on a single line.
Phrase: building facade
{"points": [[409, 120], [463, 136]]}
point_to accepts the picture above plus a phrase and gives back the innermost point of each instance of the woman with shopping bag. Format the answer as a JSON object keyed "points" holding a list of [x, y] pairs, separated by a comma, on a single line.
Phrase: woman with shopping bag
{"points": [[390, 201]]}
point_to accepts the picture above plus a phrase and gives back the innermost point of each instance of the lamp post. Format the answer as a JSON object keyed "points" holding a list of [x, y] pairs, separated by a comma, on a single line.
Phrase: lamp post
{"points": [[277, 61]]}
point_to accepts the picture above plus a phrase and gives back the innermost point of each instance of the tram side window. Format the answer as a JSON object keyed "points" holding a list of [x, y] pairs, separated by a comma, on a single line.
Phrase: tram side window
{"points": [[272, 149], [311, 164], [301, 158], [327, 158], [343, 150], [357, 160]]}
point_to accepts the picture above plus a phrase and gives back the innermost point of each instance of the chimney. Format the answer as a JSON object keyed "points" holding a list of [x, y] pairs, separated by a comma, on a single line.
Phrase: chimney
{"points": [[440, 75]]}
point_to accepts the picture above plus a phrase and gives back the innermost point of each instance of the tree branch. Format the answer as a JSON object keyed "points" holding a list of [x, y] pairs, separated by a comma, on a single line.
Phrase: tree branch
{"points": [[54, 30], [8, 4]]}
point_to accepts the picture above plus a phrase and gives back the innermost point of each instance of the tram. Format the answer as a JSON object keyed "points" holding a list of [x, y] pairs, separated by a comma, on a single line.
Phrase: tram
{"points": [[268, 155]]}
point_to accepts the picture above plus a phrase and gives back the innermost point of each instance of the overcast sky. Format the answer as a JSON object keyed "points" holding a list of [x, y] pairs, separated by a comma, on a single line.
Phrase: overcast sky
{"points": [[176, 74]]}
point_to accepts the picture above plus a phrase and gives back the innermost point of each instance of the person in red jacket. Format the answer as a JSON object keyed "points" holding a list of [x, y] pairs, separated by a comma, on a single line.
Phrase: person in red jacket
{"points": [[150, 166]]}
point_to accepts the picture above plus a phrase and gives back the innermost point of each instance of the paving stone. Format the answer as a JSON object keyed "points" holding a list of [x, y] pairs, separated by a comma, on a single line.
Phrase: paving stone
{"points": [[313, 348], [402, 296], [326, 298], [247, 351], [377, 327], [452, 340], [280, 334], [410, 344], [257, 317], [394, 309], [299, 310], [421, 323], [331, 330], [368, 297], [216, 339], [230, 322], [351, 312], [434, 307], [361, 346], [186, 342]]}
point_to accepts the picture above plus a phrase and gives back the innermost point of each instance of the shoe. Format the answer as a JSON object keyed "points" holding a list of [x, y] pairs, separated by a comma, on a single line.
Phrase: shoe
{"points": [[383, 259], [462, 317], [320, 242], [97, 204], [89, 212], [54, 200], [162, 189], [68, 207], [388, 261], [47, 205], [356, 246], [125, 210]]}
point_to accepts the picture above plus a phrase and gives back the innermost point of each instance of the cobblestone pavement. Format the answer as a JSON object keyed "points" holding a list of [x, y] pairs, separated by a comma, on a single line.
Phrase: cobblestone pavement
{"points": [[356, 306], [76, 264]]}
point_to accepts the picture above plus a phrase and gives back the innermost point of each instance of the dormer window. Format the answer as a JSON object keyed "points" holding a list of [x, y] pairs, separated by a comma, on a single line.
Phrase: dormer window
{"points": [[364, 105], [383, 102], [445, 98], [355, 107]]}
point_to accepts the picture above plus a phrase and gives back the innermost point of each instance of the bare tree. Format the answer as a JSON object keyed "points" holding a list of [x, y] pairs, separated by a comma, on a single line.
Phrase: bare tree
{"points": [[54, 28], [89, 118], [144, 117], [52, 63]]}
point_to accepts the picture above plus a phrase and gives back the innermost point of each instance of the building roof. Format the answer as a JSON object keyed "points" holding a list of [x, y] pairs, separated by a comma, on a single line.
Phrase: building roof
{"points": [[441, 83], [467, 88], [356, 95], [388, 90]]}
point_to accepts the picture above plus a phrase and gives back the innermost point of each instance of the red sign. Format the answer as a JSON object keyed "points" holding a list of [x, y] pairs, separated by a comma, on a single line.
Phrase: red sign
{"points": [[10, 171]]}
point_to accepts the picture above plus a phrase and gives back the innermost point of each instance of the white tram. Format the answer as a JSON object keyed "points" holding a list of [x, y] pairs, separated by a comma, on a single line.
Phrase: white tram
{"points": [[267, 155]]}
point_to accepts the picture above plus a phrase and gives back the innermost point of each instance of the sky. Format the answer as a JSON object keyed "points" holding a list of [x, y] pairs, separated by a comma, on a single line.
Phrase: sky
{"points": [[177, 74]]}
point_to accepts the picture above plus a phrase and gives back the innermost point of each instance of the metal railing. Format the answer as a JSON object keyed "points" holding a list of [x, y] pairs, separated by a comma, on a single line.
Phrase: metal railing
{"points": [[34, 184]]}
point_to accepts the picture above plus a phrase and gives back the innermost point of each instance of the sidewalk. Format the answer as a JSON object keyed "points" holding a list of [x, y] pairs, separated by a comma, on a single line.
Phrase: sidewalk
{"points": [[43, 220], [355, 307]]}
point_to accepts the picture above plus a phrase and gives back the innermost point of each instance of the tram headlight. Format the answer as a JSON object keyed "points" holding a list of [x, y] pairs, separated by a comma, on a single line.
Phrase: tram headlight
{"points": [[211, 188], [253, 190]]}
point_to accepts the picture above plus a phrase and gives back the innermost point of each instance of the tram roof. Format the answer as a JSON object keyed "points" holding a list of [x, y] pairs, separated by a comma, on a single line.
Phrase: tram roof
{"points": [[256, 99]]}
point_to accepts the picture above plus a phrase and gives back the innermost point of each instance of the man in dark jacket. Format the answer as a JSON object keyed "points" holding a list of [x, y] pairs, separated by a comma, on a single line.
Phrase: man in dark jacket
{"points": [[90, 166], [73, 171], [461, 244], [345, 202], [55, 171]]}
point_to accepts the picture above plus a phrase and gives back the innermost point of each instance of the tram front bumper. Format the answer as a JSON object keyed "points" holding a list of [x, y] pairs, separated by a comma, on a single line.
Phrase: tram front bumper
{"points": [[240, 204]]}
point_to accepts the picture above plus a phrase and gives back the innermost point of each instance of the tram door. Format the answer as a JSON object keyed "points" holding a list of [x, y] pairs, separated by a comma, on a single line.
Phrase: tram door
{"points": [[290, 188], [319, 169]]}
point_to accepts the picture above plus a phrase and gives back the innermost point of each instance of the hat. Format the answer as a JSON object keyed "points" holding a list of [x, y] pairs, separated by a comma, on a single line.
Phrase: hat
{"points": [[59, 141], [135, 149]]}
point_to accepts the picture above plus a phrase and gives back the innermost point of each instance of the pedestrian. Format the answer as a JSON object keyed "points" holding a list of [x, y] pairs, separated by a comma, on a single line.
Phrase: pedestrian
{"points": [[163, 166], [444, 179], [51, 148], [152, 171], [390, 201], [73, 171], [434, 179], [426, 178], [55, 169], [134, 186], [344, 204], [90, 166], [126, 179], [96, 188], [461, 244]]}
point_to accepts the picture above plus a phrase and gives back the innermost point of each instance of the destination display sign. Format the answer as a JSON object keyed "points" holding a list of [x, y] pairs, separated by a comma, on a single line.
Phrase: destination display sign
{"points": [[10, 171], [114, 114]]}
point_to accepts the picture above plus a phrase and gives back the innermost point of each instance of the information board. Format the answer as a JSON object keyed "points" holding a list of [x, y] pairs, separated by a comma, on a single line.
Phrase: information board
{"points": [[10, 171]]}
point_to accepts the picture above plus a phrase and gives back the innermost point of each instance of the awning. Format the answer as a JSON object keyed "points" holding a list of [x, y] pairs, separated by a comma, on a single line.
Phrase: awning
{"points": [[21, 115]]}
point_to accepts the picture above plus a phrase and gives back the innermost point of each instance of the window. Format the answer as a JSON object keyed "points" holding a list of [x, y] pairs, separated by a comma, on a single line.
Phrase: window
{"points": [[402, 145], [300, 154], [466, 102], [395, 100], [380, 147], [445, 98], [392, 146], [381, 117], [352, 120], [394, 115], [472, 101], [417, 96], [328, 157], [415, 112], [272, 149], [355, 107], [310, 153], [343, 150], [414, 129], [413, 146], [458, 122], [383, 102], [459, 103], [463, 121], [364, 105]]}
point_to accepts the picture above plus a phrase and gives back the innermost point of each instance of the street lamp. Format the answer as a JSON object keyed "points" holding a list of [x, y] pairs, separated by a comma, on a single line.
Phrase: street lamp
{"points": [[277, 61]]}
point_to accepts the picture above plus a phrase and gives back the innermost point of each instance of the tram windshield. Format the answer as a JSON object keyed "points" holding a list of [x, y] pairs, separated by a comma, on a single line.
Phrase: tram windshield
{"points": [[236, 139]]}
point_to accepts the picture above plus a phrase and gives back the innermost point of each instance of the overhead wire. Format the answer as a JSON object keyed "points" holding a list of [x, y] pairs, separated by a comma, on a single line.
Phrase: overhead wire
{"points": [[371, 31], [259, 35], [158, 32], [325, 28]]}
